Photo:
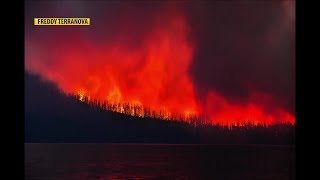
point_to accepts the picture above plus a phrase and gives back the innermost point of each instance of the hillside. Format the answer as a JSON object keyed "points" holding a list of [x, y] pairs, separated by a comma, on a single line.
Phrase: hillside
{"points": [[52, 116]]}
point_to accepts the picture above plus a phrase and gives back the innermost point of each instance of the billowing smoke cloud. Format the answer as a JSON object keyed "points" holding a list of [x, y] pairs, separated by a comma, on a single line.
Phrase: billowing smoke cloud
{"points": [[245, 47], [226, 61]]}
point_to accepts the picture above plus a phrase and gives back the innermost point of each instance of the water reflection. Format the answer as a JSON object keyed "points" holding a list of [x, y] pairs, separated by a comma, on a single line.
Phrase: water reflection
{"points": [[105, 161]]}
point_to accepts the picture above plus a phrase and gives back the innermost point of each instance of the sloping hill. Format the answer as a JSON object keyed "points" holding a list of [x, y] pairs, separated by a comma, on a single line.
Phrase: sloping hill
{"points": [[52, 116]]}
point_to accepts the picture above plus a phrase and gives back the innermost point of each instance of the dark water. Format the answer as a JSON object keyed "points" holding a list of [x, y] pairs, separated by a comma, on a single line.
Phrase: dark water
{"points": [[107, 161]]}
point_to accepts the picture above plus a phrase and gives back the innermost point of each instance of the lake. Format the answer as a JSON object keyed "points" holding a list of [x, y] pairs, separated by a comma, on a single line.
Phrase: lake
{"points": [[151, 161]]}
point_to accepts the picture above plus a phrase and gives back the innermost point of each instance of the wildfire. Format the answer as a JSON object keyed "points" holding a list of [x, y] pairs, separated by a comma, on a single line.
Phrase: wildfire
{"points": [[141, 76], [114, 95], [81, 95]]}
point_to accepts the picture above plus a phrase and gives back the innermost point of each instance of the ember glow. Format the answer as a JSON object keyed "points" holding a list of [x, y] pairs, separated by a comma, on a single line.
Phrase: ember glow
{"points": [[153, 74]]}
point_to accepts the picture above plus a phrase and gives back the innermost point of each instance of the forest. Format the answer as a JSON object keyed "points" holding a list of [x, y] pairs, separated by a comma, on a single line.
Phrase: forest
{"points": [[54, 116]]}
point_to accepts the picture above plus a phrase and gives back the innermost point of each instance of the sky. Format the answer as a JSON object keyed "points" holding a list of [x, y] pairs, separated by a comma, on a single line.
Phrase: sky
{"points": [[224, 61]]}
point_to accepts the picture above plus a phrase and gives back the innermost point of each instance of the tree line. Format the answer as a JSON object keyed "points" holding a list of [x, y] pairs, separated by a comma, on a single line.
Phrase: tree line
{"points": [[148, 113]]}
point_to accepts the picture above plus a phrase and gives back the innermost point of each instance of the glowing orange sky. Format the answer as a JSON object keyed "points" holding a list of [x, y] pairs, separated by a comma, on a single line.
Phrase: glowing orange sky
{"points": [[154, 74]]}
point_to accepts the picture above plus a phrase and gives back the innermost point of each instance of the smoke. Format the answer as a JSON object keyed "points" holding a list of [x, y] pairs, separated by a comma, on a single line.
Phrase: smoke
{"points": [[227, 61], [245, 47]]}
